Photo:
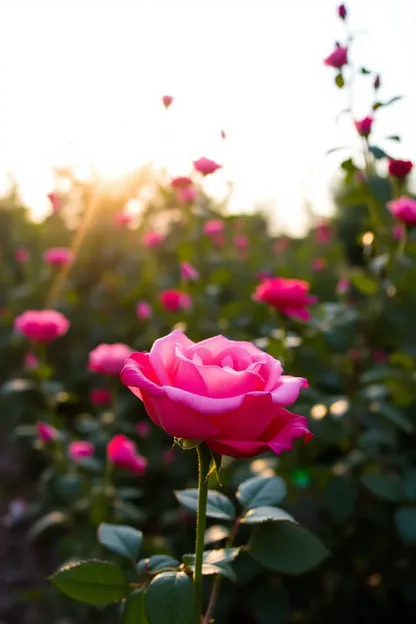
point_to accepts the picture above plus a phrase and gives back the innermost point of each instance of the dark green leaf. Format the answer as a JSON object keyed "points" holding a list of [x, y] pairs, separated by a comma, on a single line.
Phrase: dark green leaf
{"points": [[219, 506], [340, 498], [364, 70], [396, 416], [348, 166], [405, 519], [286, 547], [260, 491], [377, 152], [386, 486], [170, 599], [393, 137], [339, 80], [93, 582], [134, 609], [409, 484], [120, 539], [380, 188], [266, 514], [156, 564]]}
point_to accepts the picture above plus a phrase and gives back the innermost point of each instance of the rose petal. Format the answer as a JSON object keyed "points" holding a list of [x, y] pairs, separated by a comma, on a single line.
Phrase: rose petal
{"points": [[139, 375], [287, 389], [162, 354]]}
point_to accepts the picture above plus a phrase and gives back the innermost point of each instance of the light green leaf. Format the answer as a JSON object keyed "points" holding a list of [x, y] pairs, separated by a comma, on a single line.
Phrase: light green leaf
{"points": [[93, 582], [120, 539], [156, 564], [218, 506], [134, 609], [170, 599], [266, 514], [261, 491]]}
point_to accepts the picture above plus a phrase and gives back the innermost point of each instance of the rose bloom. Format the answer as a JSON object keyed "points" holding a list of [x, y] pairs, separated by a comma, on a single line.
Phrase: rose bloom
{"points": [[206, 166], [188, 272], [108, 359], [80, 450], [175, 300], [122, 452], [181, 182], [403, 209], [338, 58], [46, 433], [363, 127], [342, 11], [398, 231], [21, 255], [400, 169], [100, 397], [318, 264], [214, 227], [58, 256], [167, 100], [289, 296], [323, 232], [342, 287], [228, 394], [41, 325], [143, 310], [55, 201], [186, 195], [241, 241], [30, 361], [123, 218], [152, 239]]}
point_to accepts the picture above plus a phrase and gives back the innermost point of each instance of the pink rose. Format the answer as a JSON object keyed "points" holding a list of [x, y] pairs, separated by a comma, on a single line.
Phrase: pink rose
{"points": [[214, 227], [323, 232], [175, 300], [398, 231], [143, 310], [123, 218], [21, 255], [58, 256], [188, 272], [80, 450], [152, 239], [30, 361], [318, 264], [122, 452], [108, 359], [186, 195], [41, 325], [206, 166], [342, 11], [363, 127], [403, 209], [181, 182], [167, 100], [241, 241], [400, 169], [289, 296], [338, 58], [228, 394], [46, 433], [342, 287], [143, 429], [55, 201], [100, 397]]}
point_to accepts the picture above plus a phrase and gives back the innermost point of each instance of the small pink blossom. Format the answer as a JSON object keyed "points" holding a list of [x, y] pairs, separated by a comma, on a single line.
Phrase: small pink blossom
{"points": [[100, 397], [241, 241], [403, 209], [181, 182], [41, 325], [46, 433], [281, 245], [167, 100], [174, 300], [80, 449], [58, 256], [56, 202], [318, 264], [143, 429], [289, 296], [123, 218], [31, 361], [188, 272], [342, 287], [342, 11], [338, 58], [206, 166], [122, 452], [214, 227], [323, 233], [186, 195], [108, 359], [168, 457], [380, 356], [21, 255], [398, 231], [363, 126], [143, 310], [152, 239]]}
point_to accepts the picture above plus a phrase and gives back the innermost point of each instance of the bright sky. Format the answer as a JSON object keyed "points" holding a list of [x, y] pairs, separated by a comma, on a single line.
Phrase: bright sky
{"points": [[81, 82]]}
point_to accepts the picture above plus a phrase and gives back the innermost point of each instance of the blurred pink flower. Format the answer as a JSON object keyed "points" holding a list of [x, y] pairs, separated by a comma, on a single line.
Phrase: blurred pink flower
{"points": [[400, 169], [342, 287], [41, 325], [289, 296], [108, 359], [100, 397], [363, 126], [168, 457], [398, 231], [46, 433], [123, 218], [188, 272], [318, 264], [281, 245], [186, 195], [122, 452], [241, 241], [323, 232], [206, 166], [152, 239], [338, 58], [181, 182], [55, 201], [143, 310], [143, 429], [30, 361], [174, 300], [21, 255], [167, 100], [80, 449], [58, 256], [380, 356], [214, 227], [342, 11], [403, 209]]}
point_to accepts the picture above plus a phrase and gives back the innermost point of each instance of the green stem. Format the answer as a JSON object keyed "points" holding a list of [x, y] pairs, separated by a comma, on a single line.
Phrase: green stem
{"points": [[204, 461]]}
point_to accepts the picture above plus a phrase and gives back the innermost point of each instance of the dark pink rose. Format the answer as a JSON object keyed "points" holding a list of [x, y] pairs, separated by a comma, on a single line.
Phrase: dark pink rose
{"points": [[206, 166], [108, 359], [143, 310], [228, 394], [363, 127], [167, 100], [289, 296], [122, 452], [100, 397], [214, 227], [188, 272], [181, 182], [338, 58], [41, 325], [46, 433], [152, 239], [342, 287], [174, 300], [186, 195], [58, 256], [323, 232], [31, 361], [21, 255], [80, 450], [342, 11], [400, 169], [241, 241], [398, 231], [403, 209]]}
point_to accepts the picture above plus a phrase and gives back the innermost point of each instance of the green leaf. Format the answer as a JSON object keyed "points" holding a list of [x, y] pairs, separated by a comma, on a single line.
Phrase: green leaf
{"points": [[216, 533], [339, 81], [381, 188], [266, 514], [340, 498], [348, 166], [219, 506], [393, 137], [385, 486], [120, 539], [260, 491], [396, 416], [156, 564], [215, 562], [409, 484], [377, 152], [364, 283], [405, 520], [378, 105], [286, 547], [93, 582], [170, 599], [51, 520], [134, 609], [364, 70], [335, 149]]}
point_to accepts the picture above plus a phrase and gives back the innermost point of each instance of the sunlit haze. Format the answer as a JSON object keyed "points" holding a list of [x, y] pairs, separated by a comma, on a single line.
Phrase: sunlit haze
{"points": [[82, 80]]}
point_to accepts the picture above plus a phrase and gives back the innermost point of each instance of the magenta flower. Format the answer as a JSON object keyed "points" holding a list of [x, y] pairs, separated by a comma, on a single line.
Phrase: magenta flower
{"points": [[152, 239], [58, 256], [100, 397], [188, 272], [206, 166], [289, 296], [122, 452], [363, 127], [108, 359], [143, 310], [80, 450], [46, 433], [41, 325], [338, 58], [174, 300], [167, 100], [21, 255], [403, 209], [400, 169]]}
